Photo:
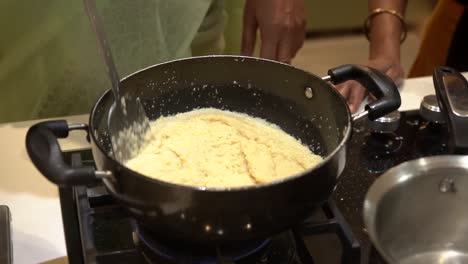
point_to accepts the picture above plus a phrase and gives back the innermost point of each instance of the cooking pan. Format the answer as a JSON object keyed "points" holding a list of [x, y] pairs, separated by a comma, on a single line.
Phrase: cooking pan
{"points": [[304, 105], [416, 211]]}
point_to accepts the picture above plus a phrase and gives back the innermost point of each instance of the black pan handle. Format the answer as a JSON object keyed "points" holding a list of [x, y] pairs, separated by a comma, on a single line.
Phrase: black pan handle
{"points": [[377, 83], [45, 153], [452, 93]]}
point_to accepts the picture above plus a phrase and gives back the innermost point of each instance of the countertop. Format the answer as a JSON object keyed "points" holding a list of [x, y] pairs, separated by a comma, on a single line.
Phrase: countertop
{"points": [[33, 201]]}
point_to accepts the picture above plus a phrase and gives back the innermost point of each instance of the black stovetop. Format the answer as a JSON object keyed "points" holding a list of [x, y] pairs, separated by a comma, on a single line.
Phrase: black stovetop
{"points": [[97, 230], [371, 154]]}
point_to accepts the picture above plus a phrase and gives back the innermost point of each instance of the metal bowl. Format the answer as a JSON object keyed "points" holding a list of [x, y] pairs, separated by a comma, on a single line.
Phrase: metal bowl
{"points": [[417, 211]]}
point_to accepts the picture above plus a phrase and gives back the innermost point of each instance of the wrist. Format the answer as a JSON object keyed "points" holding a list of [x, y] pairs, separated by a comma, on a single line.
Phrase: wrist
{"points": [[386, 50], [385, 20], [385, 37]]}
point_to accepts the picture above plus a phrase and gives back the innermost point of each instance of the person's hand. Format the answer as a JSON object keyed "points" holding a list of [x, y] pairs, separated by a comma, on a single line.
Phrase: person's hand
{"points": [[354, 93], [282, 26]]}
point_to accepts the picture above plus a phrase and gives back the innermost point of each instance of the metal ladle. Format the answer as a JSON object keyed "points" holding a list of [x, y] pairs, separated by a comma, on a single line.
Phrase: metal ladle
{"points": [[127, 120]]}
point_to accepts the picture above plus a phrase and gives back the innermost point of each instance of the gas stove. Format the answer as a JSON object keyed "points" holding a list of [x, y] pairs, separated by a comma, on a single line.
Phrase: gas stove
{"points": [[98, 230]]}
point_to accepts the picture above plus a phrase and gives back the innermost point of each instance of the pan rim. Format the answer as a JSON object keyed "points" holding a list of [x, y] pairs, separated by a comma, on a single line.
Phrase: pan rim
{"points": [[344, 140]]}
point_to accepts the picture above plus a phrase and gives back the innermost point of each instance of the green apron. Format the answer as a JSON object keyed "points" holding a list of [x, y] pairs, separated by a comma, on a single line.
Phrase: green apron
{"points": [[49, 61]]}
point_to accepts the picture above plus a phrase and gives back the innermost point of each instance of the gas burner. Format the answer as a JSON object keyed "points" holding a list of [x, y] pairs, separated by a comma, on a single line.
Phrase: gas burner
{"points": [[430, 110], [431, 139], [380, 145], [378, 151], [386, 124], [278, 249]]}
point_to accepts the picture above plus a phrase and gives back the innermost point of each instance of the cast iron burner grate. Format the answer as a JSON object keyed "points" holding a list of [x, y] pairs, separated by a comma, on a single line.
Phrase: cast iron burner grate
{"points": [[98, 230], [156, 250]]}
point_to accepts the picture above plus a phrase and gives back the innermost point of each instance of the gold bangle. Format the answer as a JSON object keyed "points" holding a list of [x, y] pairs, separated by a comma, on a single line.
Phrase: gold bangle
{"points": [[378, 11]]}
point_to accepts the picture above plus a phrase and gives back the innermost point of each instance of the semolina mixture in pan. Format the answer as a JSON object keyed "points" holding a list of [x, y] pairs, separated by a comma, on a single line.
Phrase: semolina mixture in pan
{"points": [[217, 148]]}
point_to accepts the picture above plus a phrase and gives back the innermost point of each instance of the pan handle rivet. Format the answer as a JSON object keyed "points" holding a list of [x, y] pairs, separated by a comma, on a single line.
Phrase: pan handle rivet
{"points": [[308, 93], [447, 185]]}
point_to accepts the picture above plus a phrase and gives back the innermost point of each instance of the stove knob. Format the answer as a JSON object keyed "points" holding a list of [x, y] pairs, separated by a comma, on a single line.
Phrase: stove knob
{"points": [[430, 109], [386, 124]]}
